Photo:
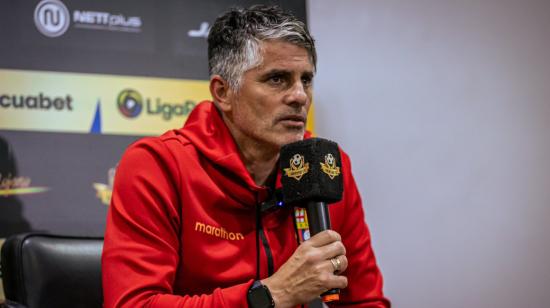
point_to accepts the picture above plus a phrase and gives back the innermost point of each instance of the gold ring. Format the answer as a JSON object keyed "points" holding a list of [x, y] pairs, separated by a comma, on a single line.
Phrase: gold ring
{"points": [[336, 263]]}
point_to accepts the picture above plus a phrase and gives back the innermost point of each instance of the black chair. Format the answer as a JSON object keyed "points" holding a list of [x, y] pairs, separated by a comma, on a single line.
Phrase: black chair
{"points": [[43, 270]]}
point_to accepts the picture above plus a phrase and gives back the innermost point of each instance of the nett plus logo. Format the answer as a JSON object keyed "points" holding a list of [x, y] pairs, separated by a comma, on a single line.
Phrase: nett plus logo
{"points": [[52, 18]]}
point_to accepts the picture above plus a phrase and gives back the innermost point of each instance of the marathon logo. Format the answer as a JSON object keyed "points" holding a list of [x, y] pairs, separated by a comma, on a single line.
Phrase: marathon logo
{"points": [[40, 101], [218, 232]]}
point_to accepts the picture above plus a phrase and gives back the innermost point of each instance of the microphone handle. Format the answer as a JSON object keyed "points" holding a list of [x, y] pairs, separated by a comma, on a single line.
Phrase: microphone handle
{"points": [[317, 217], [319, 220]]}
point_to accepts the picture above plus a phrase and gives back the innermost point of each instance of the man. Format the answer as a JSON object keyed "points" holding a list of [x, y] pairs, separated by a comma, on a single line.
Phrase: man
{"points": [[184, 227]]}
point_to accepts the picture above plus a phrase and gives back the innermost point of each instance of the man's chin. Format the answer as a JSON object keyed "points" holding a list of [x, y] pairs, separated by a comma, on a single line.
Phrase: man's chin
{"points": [[291, 138]]}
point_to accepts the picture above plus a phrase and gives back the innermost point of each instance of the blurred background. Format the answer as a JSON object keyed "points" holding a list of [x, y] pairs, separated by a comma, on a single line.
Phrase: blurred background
{"points": [[443, 106]]}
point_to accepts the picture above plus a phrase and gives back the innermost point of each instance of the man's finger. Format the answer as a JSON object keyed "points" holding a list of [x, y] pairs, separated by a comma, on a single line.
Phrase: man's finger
{"points": [[332, 250], [336, 265], [324, 238], [337, 282]]}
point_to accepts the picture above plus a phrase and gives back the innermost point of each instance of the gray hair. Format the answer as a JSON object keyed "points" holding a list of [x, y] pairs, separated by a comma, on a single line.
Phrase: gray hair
{"points": [[234, 41]]}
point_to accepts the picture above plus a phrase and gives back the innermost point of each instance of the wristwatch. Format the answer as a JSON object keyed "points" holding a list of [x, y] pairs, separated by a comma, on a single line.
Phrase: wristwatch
{"points": [[259, 296]]}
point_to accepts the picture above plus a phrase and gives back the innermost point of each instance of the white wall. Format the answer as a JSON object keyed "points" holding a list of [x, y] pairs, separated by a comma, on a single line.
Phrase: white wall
{"points": [[444, 107]]}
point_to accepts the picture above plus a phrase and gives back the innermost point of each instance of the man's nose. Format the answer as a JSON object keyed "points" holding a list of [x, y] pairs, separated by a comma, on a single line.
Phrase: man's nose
{"points": [[297, 94]]}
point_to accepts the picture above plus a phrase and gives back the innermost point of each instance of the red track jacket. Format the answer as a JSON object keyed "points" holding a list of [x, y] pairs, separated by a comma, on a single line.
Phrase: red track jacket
{"points": [[181, 228]]}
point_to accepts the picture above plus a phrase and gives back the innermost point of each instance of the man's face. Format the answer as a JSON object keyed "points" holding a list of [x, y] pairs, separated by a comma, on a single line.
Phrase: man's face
{"points": [[271, 106]]}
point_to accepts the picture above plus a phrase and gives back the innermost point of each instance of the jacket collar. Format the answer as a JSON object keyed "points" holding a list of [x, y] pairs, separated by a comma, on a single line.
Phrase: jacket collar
{"points": [[207, 131]]}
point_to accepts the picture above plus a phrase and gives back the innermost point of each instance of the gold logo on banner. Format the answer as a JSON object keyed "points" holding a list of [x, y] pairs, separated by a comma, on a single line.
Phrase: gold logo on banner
{"points": [[18, 185], [329, 167], [298, 167], [104, 192]]}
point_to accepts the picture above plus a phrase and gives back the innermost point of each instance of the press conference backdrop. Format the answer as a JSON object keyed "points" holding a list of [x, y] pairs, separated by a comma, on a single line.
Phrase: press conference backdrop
{"points": [[443, 106], [81, 80]]}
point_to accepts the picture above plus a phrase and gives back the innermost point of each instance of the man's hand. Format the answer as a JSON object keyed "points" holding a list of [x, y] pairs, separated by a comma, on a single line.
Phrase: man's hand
{"points": [[309, 271]]}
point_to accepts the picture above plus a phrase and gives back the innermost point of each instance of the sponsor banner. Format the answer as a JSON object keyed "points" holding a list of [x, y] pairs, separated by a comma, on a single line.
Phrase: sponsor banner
{"points": [[103, 104], [124, 37], [57, 182], [71, 101], [82, 103]]}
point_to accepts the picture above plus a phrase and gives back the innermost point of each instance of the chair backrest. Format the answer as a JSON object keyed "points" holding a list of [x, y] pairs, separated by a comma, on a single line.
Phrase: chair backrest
{"points": [[43, 270]]}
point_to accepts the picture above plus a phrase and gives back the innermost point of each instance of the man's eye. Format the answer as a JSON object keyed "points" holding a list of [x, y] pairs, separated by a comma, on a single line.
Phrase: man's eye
{"points": [[276, 79], [307, 81]]}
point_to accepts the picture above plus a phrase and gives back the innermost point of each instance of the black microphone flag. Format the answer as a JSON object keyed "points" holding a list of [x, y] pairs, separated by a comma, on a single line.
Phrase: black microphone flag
{"points": [[311, 171]]}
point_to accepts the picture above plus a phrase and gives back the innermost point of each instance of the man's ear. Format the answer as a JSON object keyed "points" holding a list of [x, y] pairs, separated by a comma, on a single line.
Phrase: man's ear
{"points": [[221, 92]]}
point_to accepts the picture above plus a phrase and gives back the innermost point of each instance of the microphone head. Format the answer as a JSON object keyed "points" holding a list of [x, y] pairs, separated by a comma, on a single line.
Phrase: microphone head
{"points": [[311, 171]]}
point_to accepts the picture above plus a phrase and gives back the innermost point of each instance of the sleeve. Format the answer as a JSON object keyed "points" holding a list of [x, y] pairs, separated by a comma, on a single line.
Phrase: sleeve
{"points": [[142, 237], [364, 277]]}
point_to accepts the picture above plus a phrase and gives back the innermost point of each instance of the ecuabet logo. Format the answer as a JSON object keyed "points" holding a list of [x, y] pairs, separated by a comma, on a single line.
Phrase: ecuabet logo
{"points": [[130, 103], [52, 18]]}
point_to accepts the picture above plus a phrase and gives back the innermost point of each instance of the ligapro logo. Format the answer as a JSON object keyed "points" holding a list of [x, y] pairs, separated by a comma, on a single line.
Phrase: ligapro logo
{"points": [[129, 103], [52, 18]]}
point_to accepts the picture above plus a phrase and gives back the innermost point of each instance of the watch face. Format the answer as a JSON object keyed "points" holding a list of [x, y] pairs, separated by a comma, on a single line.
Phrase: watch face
{"points": [[259, 297]]}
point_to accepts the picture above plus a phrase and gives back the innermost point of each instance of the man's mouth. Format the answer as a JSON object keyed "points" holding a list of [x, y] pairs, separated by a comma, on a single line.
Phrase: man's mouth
{"points": [[293, 120]]}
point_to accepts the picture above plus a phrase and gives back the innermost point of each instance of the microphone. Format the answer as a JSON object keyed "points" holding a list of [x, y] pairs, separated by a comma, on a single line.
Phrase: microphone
{"points": [[311, 176]]}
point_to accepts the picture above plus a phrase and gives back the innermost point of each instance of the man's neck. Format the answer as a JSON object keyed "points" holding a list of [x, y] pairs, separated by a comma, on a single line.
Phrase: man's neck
{"points": [[259, 165], [259, 159]]}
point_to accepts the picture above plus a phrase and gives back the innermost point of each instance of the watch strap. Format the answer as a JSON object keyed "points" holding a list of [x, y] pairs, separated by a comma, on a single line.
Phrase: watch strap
{"points": [[259, 296]]}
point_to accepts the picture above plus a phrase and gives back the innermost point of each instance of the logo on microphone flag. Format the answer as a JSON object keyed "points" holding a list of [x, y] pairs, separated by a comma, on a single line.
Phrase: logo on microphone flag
{"points": [[298, 167], [329, 167], [302, 227]]}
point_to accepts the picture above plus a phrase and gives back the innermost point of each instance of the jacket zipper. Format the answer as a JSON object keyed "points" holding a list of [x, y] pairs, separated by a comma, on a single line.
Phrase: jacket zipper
{"points": [[267, 251], [261, 235]]}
